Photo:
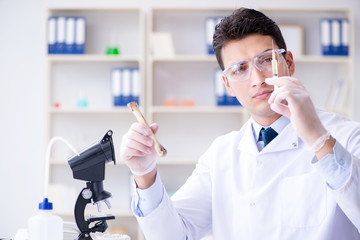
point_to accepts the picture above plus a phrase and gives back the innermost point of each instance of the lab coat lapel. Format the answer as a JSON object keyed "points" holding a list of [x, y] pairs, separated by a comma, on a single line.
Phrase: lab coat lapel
{"points": [[286, 140], [247, 143]]}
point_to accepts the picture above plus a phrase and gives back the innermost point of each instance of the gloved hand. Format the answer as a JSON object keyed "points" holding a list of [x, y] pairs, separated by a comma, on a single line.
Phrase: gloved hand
{"points": [[298, 107], [137, 149]]}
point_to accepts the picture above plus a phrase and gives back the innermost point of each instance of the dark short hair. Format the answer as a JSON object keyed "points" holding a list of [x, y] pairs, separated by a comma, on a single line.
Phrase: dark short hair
{"points": [[241, 23]]}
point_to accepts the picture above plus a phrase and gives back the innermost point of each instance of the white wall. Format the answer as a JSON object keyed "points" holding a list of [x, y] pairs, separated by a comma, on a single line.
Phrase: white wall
{"points": [[22, 50], [21, 107]]}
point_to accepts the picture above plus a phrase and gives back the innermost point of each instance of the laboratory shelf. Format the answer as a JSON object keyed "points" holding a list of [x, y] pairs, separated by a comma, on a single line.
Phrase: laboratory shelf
{"points": [[89, 8], [112, 110], [185, 58], [322, 59], [212, 58], [301, 9], [197, 109], [92, 58]]}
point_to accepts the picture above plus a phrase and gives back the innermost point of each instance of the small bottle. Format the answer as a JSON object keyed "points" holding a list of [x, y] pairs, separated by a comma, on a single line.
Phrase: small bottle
{"points": [[45, 225]]}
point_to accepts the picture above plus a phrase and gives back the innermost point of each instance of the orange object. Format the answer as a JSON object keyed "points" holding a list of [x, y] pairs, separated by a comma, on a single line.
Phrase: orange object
{"points": [[170, 102], [188, 103]]}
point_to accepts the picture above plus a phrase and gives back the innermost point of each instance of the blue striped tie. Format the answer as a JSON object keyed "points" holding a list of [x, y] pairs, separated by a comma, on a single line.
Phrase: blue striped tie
{"points": [[268, 135]]}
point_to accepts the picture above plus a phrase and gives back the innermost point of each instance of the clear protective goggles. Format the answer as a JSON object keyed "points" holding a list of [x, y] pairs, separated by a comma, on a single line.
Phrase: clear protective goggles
{"points": [[263, 62]]}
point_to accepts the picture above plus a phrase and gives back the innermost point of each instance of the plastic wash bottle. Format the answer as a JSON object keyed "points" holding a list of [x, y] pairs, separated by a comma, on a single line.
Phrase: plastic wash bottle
{"points": [[45, 225]]}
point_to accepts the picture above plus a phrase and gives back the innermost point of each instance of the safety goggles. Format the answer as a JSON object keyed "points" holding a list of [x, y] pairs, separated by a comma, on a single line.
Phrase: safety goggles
{"points": [[263, 62]]}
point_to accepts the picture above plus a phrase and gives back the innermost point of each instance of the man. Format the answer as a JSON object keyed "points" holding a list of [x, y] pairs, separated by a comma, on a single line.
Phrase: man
{"points": [[303, 184]]}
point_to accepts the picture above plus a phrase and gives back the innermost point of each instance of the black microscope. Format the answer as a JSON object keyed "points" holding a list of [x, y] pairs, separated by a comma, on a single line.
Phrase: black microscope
{"points": [[89, 165]]}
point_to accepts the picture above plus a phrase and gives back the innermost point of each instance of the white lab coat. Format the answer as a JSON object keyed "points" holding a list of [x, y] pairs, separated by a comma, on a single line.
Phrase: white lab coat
{"points": [[276, 194]]}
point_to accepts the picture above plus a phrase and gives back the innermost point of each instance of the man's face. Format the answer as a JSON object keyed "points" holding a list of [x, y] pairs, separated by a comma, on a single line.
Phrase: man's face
{"points": [[254, 93]]}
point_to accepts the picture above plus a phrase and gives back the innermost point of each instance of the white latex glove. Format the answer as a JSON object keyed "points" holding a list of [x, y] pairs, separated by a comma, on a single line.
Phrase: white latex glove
{"points": [[292, 100], [137, 149]]}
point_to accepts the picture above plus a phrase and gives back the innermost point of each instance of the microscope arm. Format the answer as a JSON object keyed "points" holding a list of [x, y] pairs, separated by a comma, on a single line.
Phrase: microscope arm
{"points": [[79, 211]]}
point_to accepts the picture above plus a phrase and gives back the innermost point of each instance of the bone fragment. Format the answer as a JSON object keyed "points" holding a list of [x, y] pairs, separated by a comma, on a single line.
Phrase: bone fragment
{"points": [[161, 151]]}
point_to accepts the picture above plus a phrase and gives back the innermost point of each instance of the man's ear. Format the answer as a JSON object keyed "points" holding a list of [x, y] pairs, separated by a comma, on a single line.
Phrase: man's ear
{"points": [[227, 86], [290, 62]]}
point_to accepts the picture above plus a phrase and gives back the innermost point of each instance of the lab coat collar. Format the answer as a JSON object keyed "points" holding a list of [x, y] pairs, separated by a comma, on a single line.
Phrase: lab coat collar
{"points": [[287, 139], [278, 126]]}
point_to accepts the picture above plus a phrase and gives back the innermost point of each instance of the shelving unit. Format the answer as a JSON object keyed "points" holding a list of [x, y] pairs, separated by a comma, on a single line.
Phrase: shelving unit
{"points": [[185, 131], [89, 74], [194, 69]]}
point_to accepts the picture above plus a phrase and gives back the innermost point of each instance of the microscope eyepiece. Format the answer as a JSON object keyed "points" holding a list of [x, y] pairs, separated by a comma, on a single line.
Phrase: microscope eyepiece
{"points": [[89, 165]]}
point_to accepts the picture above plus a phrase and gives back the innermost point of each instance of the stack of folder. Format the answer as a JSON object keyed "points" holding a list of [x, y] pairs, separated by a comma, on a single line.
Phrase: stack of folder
{"points": [[125, 84], [210, 24], [334, 36], [223, 98], [66, 35]]}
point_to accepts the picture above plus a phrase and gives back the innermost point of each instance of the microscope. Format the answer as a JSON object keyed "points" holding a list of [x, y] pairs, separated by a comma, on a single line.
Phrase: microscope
{"points": [[89, 165]]}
